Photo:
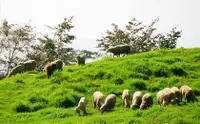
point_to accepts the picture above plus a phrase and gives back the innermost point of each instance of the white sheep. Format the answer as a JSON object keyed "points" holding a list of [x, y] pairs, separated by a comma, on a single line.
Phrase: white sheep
{"points": [[109, 103], [126, 98], [147, 101], [81, 106], [98, 99], [137, 100]]}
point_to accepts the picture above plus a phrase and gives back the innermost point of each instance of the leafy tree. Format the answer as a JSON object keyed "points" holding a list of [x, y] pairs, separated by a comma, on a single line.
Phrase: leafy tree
{"points": [[54, 45], [15, 41], [140, 37]]}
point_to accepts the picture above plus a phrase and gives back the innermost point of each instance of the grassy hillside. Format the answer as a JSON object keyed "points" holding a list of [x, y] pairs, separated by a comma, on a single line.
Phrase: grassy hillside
{"points": [[32, 98]]}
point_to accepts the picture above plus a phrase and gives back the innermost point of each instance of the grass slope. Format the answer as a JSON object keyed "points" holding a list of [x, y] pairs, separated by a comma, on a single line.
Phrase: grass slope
{"points": [[31, 98]]}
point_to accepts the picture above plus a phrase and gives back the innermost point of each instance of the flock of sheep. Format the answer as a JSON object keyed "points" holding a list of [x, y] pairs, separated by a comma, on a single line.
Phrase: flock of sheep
{"points": [[164, 97]]}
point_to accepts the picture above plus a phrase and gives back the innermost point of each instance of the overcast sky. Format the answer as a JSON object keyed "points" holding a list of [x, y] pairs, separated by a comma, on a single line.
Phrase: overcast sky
{"points": [[94, 17]]}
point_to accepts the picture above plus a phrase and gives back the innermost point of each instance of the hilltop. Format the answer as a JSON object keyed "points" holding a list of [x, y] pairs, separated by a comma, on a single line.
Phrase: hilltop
{"points": [[32, 98]]}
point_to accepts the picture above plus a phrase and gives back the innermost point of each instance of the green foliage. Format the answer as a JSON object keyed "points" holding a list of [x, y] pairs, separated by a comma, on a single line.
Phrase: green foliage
{"points": [[138, 85], [140, 37], [21, 107]]}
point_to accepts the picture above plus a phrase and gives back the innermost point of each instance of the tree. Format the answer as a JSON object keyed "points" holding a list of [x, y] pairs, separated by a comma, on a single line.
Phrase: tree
{"points": [[140, 37], [15, 41], [54, 45]]}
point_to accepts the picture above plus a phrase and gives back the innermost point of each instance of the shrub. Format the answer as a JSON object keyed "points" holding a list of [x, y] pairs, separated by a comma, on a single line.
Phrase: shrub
{"points": [[139, 75], [109, 76], [100, 121], [37, 106], [177, 70], [21, 107], [161, 71], [143, 69], [34, 99], [100, 75], [118, 81], [20, 81], [139, 85]]}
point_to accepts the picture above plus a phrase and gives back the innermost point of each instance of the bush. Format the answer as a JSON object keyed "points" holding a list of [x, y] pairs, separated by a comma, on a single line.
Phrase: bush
{"points": [[109, 76], [21, 107], [100, 75], [100, 122], [37, 106], [139, 85], [161, 71], [34, 99], [139, 75], [118, 81], [20, 81], [143, 69], [177, 70]]}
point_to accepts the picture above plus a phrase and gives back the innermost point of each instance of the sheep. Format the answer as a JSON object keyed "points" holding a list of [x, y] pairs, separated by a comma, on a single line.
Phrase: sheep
{"points": [[81, 60], [137, 100], [59, 64], [98, 99], [177, 94], [147, 101], [81, 106], [172, 96], [163, 98], [109, 103], [119, 49], [15, 70], [29, 65], [125, 98], [188, 93], [49, 69]]}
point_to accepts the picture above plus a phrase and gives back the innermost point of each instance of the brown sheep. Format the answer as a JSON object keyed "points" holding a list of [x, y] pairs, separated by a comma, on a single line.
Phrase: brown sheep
{"points": [[49, 69], [172, 96], [119, 49], [188, 93], [81, 60], [109, 103], [98, 99], [163, 98], [59, 64], [81, 106], [137, 100], [15, 70], [126, 98], [177, 94], [147, 101]]}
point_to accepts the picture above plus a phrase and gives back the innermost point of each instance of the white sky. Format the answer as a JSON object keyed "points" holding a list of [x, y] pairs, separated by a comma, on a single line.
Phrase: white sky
{"points": [[94, 17]]}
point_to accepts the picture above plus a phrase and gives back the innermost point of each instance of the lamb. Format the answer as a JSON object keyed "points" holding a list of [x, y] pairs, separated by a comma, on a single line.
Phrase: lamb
{"points": [[119, 49], [81, 60], [81, 106], [177, 95], [163, 98], [15, 70], [172, 96], [109, 103], [125, 98], [59, 64], [137, 100], [49, 69], [147, 101], [188, 93], [98, 99]]}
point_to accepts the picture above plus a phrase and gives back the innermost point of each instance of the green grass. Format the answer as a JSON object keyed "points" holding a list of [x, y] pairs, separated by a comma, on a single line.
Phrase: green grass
{"points": [[32, 98]]}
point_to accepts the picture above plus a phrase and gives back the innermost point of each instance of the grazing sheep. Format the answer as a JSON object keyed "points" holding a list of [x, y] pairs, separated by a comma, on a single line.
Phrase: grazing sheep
{"points": [[29, 65], [137, 100], [81, 60], [172, 96], [98, 99], [163, 98], [81, 106], [177, 94], [119, 49], [126, 98], [109, 103], [49, 69], [59, 64], [147, 101], [188, 93], [15, 70]]}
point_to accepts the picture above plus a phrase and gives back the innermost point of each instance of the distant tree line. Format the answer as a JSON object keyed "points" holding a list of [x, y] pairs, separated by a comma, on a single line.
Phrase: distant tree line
{"points": [[140, 37], [19, 42]]}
